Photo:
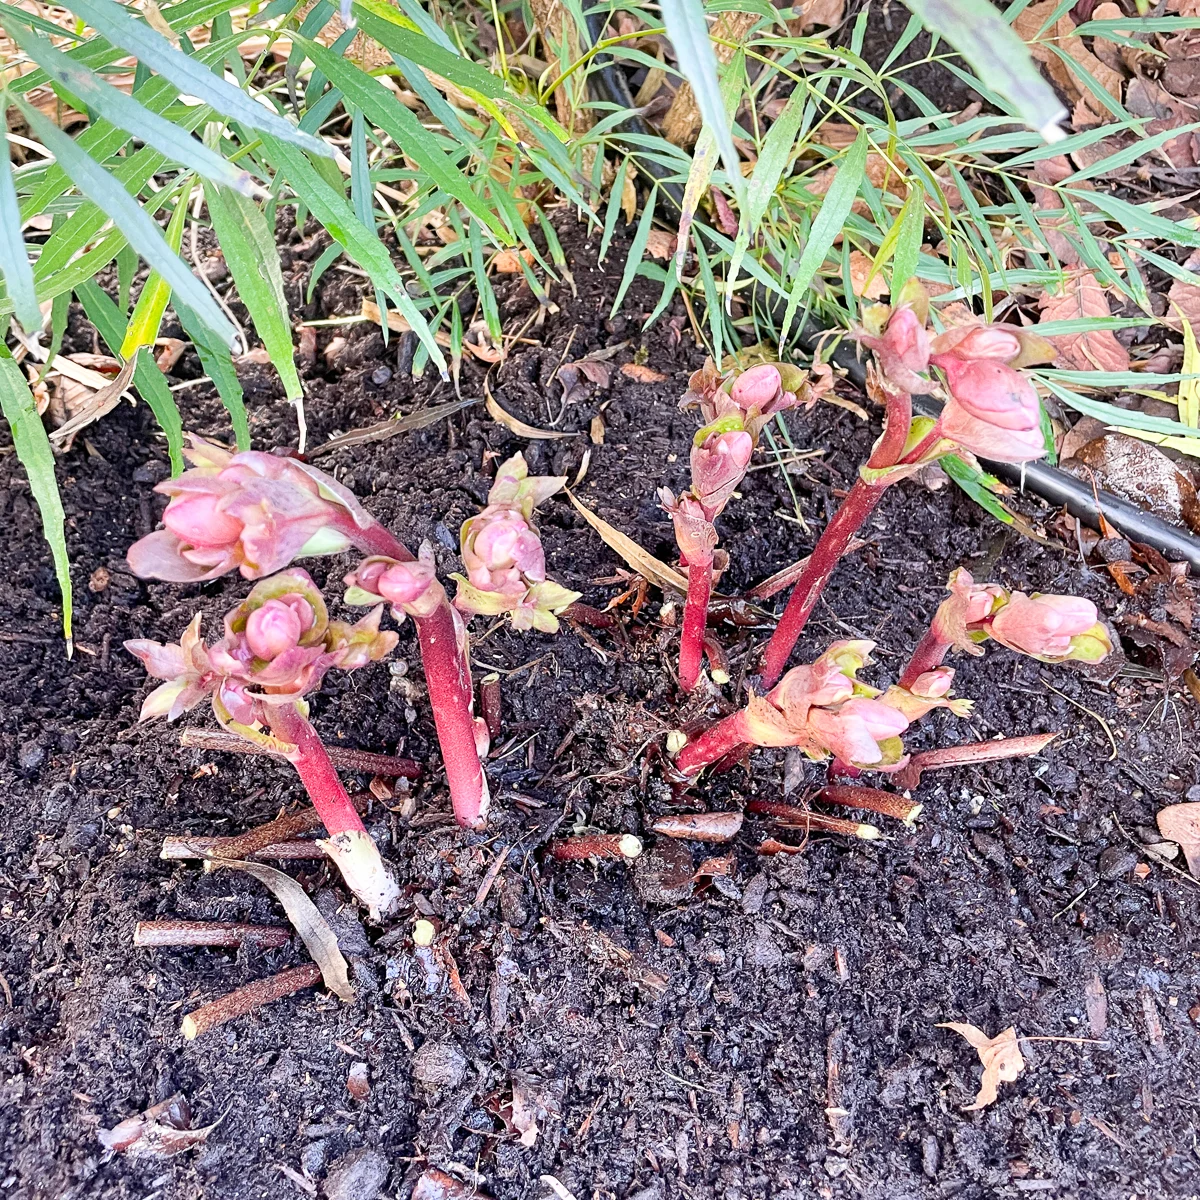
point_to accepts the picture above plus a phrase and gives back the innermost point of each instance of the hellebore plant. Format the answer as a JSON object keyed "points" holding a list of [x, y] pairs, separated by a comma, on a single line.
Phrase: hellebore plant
{"points": [[990, 409], [412, 589], [254, 512], [1052, 629], [503, 555], [735, 407], [823, 709], [278, 644]]}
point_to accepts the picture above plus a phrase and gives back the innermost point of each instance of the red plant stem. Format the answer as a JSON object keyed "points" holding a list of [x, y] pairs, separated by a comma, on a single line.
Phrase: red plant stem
{"points": [[726, 736], [971, 754], [872, 799], [448, 676], [897, 423], [375, 539], [858, 505], [341, 756], [247, 999], [209, 933], [596, 845], [316, 772], [695, 622], [930, 652]]}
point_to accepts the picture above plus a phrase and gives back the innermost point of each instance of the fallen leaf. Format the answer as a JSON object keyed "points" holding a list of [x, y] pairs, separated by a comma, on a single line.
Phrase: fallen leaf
{"points": [[661, 243], [437, 1185], [643, 374], [170, 352], [1098, 350], [313, 929], [1142, 473], [1184, 298], [515, 424], [865, 281], [386, 429], [508, 262], [1001, 1058], [162, 1131], [103, 401], [641, 561], [574, 377], [1180, 823]]}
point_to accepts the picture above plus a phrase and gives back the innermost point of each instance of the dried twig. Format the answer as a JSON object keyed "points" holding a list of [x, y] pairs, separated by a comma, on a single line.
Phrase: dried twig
{"points": [[247, 999], [341, 756], [208, 933]]}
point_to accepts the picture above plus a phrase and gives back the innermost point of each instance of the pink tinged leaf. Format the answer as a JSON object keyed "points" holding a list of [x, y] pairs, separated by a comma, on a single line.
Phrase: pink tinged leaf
{"points": [[197, 519], [718, 467], [162, 661], [989, 440], [844, 735], [160, 555], [694, 533], [993, 392], [978, 341]]}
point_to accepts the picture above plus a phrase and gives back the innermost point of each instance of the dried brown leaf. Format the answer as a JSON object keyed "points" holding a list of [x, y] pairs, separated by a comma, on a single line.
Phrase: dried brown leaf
{"points": [[661, 244], [102, 401], [865, 281], [515, 424], [162, 1131], [1184, 298], [1098, 350], [1180, 823], [641, 561], [1001, 1058], [508, 262], [313, 929], [640, 373], [701, 827]]}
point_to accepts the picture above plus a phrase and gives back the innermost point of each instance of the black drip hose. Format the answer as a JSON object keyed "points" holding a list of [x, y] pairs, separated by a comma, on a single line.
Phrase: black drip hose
{"points": [[1052, 485]]}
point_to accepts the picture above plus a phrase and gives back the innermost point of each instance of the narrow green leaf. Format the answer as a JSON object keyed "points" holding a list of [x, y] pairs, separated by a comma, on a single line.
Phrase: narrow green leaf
{"points": [[976, 484], [14, 258], [143, 234], [147, 315], [688, 31], [362, 244], [827, 224], [908, 240], [637, 250], [1139, 221], [122, 110], [249, 249], [33, 449], [982, 36], [118, 26]]}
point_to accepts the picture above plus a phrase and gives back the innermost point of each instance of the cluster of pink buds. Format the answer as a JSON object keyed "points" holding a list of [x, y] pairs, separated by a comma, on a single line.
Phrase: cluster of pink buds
{"points": [[412, 589], [503, 555], [253, 512], [1052, 629], [278, 645], [990, 408], [822, 708], [735, 406]]}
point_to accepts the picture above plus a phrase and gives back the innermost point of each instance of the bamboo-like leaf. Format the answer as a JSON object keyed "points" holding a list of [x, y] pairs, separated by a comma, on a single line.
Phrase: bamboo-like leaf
{"points": [[827, 224], [641, 561], [637, 250], [118, 26], [688, 31], [981, 35], [33, 449], [362, 244], [143, 234], [14, 258], [385, 111], [249, 248], [147, 315], [122, 110]]}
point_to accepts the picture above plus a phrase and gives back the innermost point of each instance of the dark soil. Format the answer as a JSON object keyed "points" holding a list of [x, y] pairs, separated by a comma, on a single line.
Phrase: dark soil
{"points": [[774, 1036]]}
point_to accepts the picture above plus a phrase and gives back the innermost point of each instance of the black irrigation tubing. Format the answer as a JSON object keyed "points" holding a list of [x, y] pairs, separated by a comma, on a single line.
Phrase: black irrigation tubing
{"points": [[1054, 486]]}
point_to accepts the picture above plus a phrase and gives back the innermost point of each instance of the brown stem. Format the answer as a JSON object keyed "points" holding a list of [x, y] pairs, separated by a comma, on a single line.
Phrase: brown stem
{"points": [[813, 822], [179, 848], [596, 845], [872, 799], [341, 756], [491, 706], [701, 827], [971, 754], [247, 999], [585, 614], [209, 933]]}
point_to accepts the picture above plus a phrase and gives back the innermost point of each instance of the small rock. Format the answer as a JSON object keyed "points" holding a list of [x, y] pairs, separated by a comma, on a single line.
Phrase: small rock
{"points": [[99, 579], [358, 1082], [1116, 862], [313, 1157], [754, 895], [439, 1065], [30, 756], [381, 375], [931, 1156], [358, 1175]]}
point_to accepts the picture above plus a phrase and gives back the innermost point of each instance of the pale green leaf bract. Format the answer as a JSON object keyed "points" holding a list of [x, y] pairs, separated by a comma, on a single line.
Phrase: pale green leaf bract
{"points": [[14, 258]]}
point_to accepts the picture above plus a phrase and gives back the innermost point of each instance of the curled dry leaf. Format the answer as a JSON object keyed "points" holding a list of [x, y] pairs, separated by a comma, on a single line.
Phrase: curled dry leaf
{"points": [[313, 929], [515, 424], [104, 400], [1180, 823], [661, 244], [644, 563], [1141, 473], [1001, 1058], [1082, 296], [701, 827], [162, 1131], [508, 262], [643, 374]]}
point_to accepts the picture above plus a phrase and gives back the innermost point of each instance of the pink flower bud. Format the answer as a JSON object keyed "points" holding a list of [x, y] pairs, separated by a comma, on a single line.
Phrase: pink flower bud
{"points": [[274, 628], [978, 341], [504, 542], [902, 350], [854, 731], [405, 583], [756, 388], [718, 466], [1044, 627], [694, 532], [933, 685], [989, 440], [992, 392], [196, 518]]}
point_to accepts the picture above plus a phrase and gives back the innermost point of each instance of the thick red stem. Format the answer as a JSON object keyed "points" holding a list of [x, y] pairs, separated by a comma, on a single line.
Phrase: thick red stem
{"points": [[897, 423], [316, 771], [858, 505], [714, 743], [695, 621], [926, 443], [930, 653], [971, 754], [448, 676], [375, 539]]}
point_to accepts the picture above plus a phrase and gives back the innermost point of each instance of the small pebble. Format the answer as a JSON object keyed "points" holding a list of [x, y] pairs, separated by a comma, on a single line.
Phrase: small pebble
{"points": [[359, 1175], [357, 1082], [381, 375], [30, 756], [439, 1065], [1116, 862]]}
